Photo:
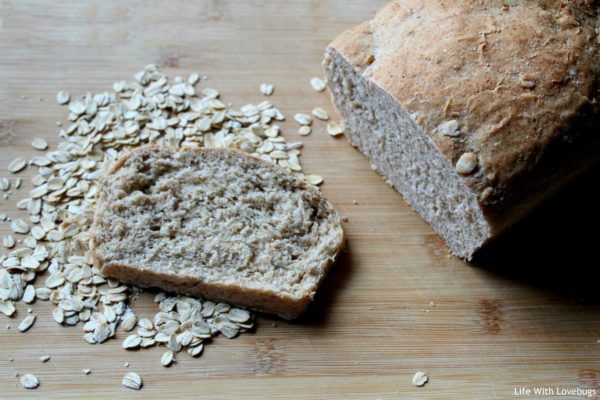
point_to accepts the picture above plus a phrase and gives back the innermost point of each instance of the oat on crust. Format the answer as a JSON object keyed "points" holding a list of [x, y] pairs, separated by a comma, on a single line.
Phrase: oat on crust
{"points": [[516, 85]]}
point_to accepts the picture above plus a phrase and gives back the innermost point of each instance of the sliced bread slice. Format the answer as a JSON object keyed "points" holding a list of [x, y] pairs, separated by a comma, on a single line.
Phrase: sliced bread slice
{"points": [[218, 224]]}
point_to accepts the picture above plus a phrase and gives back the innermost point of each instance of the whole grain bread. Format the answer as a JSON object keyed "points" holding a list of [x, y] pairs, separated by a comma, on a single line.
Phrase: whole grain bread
{"points": [[218, 224], [474, 111]]}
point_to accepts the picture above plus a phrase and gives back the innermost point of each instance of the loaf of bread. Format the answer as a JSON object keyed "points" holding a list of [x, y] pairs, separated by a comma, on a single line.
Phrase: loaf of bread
{"points": [[474, 111], [218, 224]]}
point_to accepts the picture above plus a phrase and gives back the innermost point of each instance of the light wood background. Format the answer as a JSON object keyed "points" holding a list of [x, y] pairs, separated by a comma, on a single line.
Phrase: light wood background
{"points": [[525, 314]]}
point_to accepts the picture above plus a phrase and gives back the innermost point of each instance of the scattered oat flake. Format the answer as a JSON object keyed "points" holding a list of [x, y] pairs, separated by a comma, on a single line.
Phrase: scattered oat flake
{"points": [[29, 381], [420, 379], [44, 358], [4, 184], [128, 321], [7, 307], [86, 371], [55, 184], [62, 98], [27, 323], [303, 119], [77, 108], [167, 358], [39, 144], [132, 380], [8, 241], [29, 294], [317, 84], [16, 165], [266, 89], [238, 315], [39, 191], [38, 232], [304, 130], [196, 350], [314, 180], [29, 262], [19, 226], [58, 315], [54, 281], [321, 114], [279, 155], [193, 79], [334, 129], [229, 331], [132, 341]]}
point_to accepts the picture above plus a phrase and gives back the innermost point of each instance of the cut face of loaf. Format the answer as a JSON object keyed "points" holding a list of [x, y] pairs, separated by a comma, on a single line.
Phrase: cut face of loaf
{"points": [[218, 224], [474, 111]]}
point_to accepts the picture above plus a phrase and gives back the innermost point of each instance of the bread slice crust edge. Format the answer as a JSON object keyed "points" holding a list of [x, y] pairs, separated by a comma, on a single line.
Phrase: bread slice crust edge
{"points": [[263, 300]]}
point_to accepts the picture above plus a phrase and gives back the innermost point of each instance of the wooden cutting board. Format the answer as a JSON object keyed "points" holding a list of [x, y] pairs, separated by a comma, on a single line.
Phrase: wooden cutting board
{"points": [[526, 314]]}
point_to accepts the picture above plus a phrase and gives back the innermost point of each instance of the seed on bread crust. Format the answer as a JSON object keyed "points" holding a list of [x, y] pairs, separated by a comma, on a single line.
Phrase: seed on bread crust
{"points": [[467, 163]]}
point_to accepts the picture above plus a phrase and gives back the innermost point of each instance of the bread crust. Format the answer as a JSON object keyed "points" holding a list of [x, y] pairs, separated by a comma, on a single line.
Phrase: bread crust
{"points": [[272, 302], [521, 82]]}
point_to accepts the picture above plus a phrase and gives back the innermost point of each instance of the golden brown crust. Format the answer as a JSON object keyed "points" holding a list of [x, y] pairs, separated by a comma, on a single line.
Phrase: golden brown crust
{"points": [[280, 303], [521, 81]]}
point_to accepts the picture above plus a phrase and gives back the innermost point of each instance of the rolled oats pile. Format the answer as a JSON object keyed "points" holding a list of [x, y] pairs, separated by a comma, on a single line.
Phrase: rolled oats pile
{"points": [[54, 242]]}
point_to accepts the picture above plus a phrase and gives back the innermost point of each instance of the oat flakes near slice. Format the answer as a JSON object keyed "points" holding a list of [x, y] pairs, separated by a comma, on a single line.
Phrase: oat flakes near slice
{"points": [[138, 112]]}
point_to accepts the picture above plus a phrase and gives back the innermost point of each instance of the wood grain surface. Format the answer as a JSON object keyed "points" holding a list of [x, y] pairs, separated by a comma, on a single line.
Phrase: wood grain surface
{"points": [[525, 313]]}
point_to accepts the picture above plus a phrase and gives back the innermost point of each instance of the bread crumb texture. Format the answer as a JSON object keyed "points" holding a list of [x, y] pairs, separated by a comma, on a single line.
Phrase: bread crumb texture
{"points": [[216, 217]]}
